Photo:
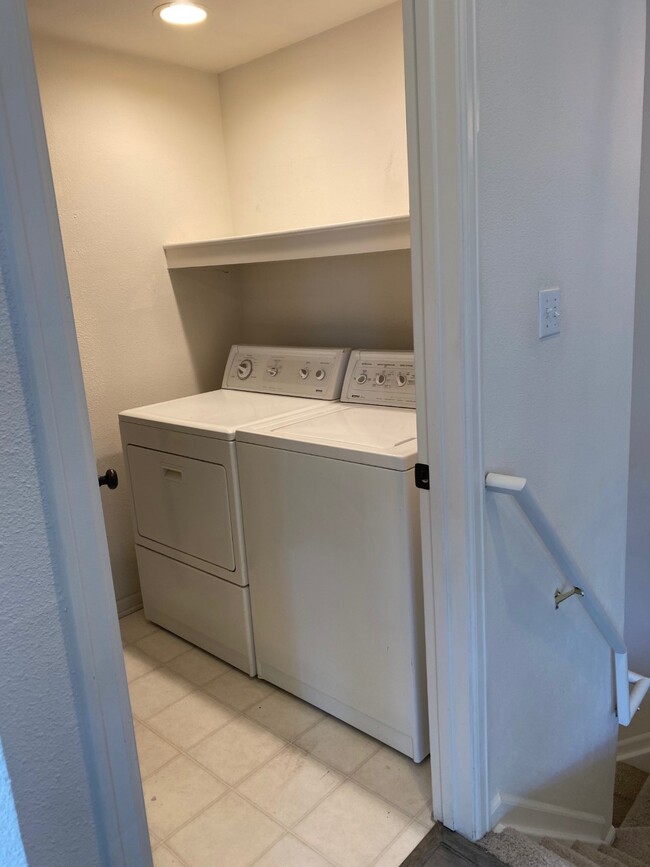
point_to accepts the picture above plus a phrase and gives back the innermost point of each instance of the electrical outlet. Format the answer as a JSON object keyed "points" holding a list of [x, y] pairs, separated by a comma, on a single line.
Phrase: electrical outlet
{"points": [[549, 311]]}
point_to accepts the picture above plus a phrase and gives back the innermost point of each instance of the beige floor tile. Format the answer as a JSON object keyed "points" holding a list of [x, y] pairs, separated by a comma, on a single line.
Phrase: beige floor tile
{"points": [[352, 826], [135, 626], [198, 667], [291, 852], [137, 662], [237, 749], [164, 857], [156, 690], [238, 689], [425, 818], [153, 752], [231, 833], [402, 847], [191, 719], [289, 785], [338, 745], [163, 646], [398, 780], [177, 792], [284, 714]]}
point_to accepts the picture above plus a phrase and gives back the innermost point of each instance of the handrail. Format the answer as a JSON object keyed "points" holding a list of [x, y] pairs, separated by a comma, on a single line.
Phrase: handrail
{"points": [[627, 702]]}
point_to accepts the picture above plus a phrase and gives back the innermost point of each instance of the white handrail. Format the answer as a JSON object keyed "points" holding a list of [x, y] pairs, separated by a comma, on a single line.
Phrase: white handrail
{"points": [[627, 703]]}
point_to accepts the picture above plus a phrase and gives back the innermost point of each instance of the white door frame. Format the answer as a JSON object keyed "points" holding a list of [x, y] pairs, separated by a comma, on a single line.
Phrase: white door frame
{"points": [[40, 301], [442, 119], [442, 114]]}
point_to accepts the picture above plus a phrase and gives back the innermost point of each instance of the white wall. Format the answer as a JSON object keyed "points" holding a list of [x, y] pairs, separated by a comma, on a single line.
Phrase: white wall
{"points": [[637, 598], [316, 133], [137, 156], [560, 113], [39, 726]]}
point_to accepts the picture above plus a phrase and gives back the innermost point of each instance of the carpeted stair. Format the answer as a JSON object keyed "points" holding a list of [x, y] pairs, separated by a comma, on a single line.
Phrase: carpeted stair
{"points": [[631, 847]]}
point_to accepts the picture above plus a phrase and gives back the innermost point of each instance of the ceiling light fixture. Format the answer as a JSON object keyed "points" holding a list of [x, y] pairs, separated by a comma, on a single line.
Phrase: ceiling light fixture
{"points": [[182, 12]]}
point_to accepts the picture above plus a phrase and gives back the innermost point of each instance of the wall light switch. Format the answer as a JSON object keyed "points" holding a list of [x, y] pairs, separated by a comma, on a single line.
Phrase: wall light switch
{"points": [[549, 311]]}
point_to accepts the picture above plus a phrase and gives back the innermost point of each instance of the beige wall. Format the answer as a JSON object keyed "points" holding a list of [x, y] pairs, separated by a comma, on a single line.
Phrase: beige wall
{"points": [[137, 157], [359, 301], [316, 133]]}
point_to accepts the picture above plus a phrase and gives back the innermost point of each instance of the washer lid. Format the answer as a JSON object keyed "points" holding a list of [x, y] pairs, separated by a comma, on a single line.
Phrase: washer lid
{"points": [[217, 413], [374, 435]]}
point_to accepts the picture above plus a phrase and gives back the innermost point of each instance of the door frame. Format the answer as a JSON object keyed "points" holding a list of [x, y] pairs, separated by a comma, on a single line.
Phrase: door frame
{"points": [[443, 121], [40, 302], [442, 115]]}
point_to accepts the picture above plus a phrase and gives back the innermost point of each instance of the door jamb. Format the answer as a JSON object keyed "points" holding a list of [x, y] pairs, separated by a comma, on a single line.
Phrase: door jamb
{"points": [[442, 120], [40, 301]]}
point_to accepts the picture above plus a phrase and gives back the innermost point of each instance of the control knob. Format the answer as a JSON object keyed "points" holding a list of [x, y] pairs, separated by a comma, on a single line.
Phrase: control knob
{"points": [[401, 380], [380, 379], [303, 373], [244, 368], [362, 378], [320, 375], [272, 371]]}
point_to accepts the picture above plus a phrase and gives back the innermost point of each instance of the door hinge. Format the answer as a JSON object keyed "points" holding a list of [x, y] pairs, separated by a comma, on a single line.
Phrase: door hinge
{"points": [[422, 476]]}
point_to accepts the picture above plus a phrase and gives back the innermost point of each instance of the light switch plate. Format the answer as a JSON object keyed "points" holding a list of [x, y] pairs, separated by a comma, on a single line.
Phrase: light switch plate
{"points": [[549, 311]]}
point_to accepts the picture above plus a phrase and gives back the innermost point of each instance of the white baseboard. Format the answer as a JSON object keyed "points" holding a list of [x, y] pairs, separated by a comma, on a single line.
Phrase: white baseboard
{"points": [[635, 751], [537, 819], [129, 604]]}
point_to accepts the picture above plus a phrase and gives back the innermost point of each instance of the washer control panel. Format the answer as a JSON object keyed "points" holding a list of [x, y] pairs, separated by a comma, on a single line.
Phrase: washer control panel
{"points": [[380, 378], [291, 371]]}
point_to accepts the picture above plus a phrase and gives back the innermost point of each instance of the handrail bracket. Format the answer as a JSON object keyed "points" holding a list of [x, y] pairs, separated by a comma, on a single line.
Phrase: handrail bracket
{"points": [[561, 597]]}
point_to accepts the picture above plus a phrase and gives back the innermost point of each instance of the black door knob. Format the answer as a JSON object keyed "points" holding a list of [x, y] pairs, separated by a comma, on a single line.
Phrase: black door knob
{"points": [[109, 479]]}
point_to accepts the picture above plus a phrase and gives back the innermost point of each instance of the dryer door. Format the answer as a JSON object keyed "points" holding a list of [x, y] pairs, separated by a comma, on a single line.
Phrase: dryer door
{"points": [[182, 503]]}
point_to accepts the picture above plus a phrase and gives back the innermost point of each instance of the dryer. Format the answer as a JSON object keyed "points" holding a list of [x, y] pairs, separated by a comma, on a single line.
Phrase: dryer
{"points": [[182, 466], [333, 544]]}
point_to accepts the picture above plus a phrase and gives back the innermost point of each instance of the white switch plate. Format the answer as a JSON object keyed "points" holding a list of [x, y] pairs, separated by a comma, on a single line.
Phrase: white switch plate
{"points": [[549, 311]]}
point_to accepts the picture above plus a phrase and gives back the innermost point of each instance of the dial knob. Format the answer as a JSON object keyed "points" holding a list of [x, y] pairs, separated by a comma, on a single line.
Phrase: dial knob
{"points": [[380, 379], [303, 373], [401, 380], [272, 371], [362, 378], [320, 375], [244, 368]]}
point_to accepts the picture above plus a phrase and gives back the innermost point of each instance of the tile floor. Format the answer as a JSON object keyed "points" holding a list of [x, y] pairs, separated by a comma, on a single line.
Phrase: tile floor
{"points": [[238, 773]]}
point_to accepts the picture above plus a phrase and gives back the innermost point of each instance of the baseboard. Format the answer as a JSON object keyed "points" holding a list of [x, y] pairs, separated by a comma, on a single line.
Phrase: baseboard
{"points": [[537, 819], [635, 751], [129, 604]]}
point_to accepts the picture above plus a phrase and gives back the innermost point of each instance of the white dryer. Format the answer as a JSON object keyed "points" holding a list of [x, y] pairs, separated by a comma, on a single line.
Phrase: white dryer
{"points": [[333, 545], [181, 461]]}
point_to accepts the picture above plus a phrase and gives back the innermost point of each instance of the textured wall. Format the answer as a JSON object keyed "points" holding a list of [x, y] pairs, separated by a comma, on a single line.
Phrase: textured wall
{"points": [[559, 147], [137, 158], [316, 133], [39, 731]]}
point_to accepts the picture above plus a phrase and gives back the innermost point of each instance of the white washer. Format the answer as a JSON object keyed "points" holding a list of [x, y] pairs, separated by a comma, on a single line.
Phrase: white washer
{"points": [[333, 544], [181, 461]]}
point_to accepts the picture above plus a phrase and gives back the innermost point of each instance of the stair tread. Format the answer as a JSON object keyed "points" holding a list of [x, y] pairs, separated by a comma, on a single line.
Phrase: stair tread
{"points": [[635, 841], [623, 857], [639, 812], [565, 852], [595, 856], [516, 850], [629, 782]]}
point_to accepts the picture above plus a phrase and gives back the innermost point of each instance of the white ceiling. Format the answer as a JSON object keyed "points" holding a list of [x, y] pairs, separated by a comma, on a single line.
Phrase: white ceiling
{"points": [[235, 32]]}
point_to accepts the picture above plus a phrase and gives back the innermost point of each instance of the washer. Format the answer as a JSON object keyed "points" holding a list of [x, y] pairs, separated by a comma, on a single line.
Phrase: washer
{"points": [[333, 544], [181, 461]]}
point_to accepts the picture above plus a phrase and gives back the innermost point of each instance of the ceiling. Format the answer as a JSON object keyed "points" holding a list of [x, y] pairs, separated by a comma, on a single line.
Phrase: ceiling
{"points": [[235, 32]]}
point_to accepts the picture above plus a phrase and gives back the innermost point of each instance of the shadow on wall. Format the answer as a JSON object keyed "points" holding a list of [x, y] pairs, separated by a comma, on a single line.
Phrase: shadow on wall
{"points": [[209, 309]]}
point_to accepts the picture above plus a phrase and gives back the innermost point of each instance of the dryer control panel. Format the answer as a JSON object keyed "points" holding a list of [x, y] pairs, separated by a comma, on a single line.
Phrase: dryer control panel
{"points": [[292, 371], [380, 378]]}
